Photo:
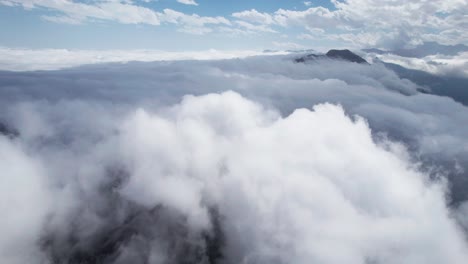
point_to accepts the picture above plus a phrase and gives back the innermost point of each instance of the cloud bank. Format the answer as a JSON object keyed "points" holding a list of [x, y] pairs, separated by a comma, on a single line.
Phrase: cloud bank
{"points": [[256, 160], [14, 59], [436, 64]]}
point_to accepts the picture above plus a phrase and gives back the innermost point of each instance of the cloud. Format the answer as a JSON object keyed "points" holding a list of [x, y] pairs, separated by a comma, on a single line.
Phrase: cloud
{"points": [[25, 203], [254, 16], [53, 59], [120, 11], [417, 22], [188, 2], [357, 23], [255, 167], [193, 23], [254, 160], [254, 28], [125, 12], [436, 64], [287, 45], [63, 20]]}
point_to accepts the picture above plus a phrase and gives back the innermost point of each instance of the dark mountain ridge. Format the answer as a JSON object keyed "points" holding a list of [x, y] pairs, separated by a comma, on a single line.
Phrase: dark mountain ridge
{"points": [[344, 55]]}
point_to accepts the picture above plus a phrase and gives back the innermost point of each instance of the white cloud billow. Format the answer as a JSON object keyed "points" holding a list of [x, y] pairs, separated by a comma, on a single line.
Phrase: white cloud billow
{"points": [[146, 156], [26, 201], [286, 159], [310, 186], [292, 189]]}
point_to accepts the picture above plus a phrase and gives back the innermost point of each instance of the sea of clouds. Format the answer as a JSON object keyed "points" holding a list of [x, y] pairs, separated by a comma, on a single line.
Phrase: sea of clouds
{"points": [[254, 160]]}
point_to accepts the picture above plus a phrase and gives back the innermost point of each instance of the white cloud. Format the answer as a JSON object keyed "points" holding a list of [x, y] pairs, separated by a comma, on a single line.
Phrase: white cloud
{"points": [[120, 11], [254, 28], [254, 16], [126, 12], [53, 59], [359, 23], [252, 21], [192, 23], [436, 64], [290, 175], [188, 2], [63, 20], [307, 36], [288, 188], [274, 196], [386, 23], [25, 204], [287, 45]]}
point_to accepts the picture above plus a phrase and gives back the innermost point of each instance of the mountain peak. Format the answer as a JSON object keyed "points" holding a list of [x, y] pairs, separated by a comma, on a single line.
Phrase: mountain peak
{"points": [[345, 55]]}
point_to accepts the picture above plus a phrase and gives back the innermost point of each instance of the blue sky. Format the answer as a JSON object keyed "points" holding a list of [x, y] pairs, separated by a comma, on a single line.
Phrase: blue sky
{"points": [[176, 25]]}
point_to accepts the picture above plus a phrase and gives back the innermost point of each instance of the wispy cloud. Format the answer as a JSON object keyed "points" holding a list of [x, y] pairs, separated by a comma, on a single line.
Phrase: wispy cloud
{"points": [[188, 2]]}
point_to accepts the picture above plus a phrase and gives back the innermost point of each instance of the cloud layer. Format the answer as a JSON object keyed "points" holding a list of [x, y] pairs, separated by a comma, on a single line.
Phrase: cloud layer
{"points": [[327, 162], [286, 189], [54, 59]]}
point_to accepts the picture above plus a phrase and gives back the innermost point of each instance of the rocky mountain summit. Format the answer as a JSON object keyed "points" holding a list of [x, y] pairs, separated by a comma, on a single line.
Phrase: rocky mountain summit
{"points": [[344, 55]]}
